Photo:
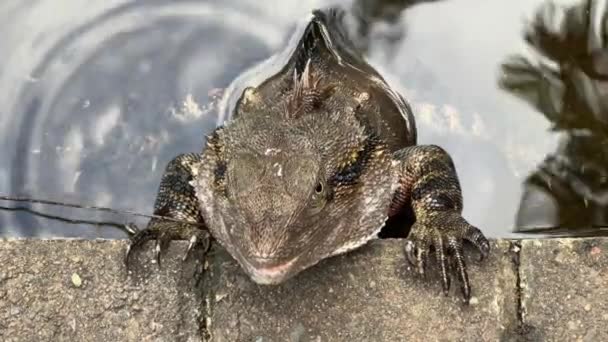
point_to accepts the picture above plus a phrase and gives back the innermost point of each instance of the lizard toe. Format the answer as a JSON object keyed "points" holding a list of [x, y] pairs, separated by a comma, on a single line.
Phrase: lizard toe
{"points": [[440, 254], [162, 243], [445, 235], [417, 251], [199, 238], [476, 237], [137, 241], [457, 253]]}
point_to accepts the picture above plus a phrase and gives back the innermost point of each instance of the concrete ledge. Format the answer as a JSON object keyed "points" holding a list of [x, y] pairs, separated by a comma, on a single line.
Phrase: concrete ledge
{"points": [[368, 295], [564, 286], [66, 290], [54, 290]]}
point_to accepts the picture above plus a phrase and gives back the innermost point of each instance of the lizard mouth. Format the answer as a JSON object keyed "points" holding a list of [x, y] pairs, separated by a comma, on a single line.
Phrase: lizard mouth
{"points": [[267, 271]]}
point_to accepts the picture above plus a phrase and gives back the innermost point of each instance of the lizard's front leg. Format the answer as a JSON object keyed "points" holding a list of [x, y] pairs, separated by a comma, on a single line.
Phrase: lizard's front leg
{"points": [[428, 184], [176, 199]]}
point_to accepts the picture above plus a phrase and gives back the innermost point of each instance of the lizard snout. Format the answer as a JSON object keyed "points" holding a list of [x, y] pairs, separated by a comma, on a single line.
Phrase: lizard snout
{"points": [[269, 270]]}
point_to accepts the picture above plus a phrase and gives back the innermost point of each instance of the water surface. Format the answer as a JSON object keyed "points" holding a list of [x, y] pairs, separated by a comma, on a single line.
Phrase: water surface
{"points": [[98, 96]]}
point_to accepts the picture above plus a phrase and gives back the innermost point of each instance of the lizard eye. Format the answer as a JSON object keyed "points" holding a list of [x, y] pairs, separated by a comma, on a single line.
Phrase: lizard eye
{"points": [[319, 188], [318, 200]]}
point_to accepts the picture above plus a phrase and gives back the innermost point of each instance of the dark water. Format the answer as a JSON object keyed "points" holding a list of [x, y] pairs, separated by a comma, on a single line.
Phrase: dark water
{"points": [[96, 98]]}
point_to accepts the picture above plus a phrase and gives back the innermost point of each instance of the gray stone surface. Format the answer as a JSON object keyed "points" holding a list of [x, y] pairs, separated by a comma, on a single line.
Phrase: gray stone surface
{"points": [[367, 295], [63, 290], [564, 286], [78, 291]]}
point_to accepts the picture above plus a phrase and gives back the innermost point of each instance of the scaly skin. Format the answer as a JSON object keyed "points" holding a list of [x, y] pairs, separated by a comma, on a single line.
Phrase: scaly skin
{"points": [[316, 158]]}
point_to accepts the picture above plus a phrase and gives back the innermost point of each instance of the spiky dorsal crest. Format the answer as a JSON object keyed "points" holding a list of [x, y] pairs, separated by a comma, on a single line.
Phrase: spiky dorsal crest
{"points": [[307, 92]]}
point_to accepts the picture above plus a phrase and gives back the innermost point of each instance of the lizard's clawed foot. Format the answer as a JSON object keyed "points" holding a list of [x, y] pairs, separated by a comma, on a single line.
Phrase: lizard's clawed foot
{"points": [[164, 233], [445, 232]]}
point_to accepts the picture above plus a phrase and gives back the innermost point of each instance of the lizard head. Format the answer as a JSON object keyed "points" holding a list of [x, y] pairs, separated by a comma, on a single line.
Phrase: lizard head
{"points": [[297, 176], [281, 196], [294, 179]]}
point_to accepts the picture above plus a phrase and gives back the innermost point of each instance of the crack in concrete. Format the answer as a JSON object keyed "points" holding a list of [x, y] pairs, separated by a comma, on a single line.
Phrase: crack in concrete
{"points": [[519, 331], [203, 321], [205, 316], [516, 250], [525, 332]]}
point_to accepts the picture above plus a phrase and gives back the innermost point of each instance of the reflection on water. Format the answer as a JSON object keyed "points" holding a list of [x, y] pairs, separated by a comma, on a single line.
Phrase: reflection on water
{"points": [[94, 107], [568, 85], [380, 24], [98, 96]]}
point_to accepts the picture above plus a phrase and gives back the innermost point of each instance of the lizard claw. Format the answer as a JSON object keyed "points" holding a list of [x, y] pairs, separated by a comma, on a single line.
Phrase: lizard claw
{"points": [[164, 233], [199, 238], [410, 248], [131, 228], [193, 242], [445, 233], [443, 266], [476, 237], [162, 242], [416, 256], [137, 240]]}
